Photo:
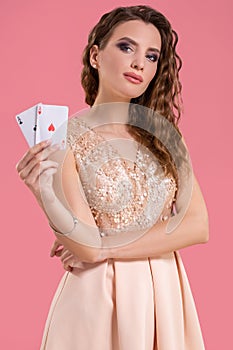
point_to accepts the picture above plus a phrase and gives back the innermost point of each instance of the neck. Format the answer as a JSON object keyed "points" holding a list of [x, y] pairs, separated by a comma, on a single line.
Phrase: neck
{"points": [[109, 116]]}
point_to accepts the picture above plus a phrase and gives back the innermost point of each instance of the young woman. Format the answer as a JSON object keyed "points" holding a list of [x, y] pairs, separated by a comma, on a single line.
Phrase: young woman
{"points": [[122, 290]]}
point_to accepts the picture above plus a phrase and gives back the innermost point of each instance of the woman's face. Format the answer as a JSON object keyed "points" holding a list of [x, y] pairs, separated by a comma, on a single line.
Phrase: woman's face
{"points": [[132, 51]]}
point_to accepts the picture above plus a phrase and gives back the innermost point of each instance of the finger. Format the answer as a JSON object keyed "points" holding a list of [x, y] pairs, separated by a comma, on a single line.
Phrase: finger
{"points": [[68, 268], [66, 254], [59, 252], [31, 153], [48, 151], [47, 168], [68, 263], [37, 161], [55, 246]]}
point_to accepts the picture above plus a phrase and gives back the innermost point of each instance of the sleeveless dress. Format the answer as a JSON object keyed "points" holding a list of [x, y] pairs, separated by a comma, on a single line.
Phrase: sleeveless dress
{"points": [[143, 304]]}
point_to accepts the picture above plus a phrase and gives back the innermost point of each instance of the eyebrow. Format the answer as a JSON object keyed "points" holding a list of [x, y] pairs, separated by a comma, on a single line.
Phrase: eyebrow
{"points": [[136, 44]]}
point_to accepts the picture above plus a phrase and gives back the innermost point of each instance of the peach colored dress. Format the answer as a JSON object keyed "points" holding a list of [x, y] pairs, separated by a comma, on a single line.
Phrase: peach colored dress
{"points": [[143, 304]]}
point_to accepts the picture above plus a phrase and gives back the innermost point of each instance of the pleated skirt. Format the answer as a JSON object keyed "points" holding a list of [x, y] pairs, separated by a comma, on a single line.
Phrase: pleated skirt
{"points": [[144, 304]]}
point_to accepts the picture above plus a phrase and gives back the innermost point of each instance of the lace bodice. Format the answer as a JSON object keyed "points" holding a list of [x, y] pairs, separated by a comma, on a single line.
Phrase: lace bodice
{"points": [[121, 198]]}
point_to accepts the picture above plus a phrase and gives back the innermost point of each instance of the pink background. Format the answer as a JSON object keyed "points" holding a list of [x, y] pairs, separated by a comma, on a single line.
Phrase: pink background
{"points": [[41, 45]]}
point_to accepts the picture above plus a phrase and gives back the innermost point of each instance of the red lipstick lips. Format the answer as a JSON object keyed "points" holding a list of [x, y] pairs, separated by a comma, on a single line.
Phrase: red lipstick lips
{"points": [[134, 78]]}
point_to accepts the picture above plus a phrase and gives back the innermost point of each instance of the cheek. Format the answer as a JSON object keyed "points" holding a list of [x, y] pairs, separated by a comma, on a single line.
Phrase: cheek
{"points": [[154, 70], [151, 73], [109, 65]]}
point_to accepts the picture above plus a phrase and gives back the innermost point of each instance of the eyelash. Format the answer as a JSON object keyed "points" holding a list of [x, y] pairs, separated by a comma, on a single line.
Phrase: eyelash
{"points": [[123, 46]]}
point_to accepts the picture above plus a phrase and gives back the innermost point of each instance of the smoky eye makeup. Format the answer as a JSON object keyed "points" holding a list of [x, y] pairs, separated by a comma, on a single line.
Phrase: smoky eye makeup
{"points": [[124, 46], [127, 47], [153, 57]]}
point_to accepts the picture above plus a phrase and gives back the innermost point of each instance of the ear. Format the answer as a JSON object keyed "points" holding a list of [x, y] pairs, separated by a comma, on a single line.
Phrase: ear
{"points": [[94, 56]]}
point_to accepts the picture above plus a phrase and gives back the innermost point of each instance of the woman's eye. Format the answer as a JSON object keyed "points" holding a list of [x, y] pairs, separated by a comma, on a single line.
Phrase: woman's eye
{"points": [[124, 47], [153, 58]]}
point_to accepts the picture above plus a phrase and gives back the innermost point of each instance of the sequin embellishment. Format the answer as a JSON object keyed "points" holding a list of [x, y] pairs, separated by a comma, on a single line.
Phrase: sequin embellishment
{"points": [[121, 198]]}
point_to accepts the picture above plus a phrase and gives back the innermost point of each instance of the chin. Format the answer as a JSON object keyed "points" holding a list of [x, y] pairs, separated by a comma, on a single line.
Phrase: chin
{"points": [[130, 96], [126, 94]]}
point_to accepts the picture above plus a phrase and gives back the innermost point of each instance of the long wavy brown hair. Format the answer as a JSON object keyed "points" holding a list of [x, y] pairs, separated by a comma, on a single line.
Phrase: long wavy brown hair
{"points": [[163, 95]]}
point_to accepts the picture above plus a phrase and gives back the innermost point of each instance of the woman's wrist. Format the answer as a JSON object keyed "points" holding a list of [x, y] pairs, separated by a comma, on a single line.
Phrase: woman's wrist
{"points": [[60, 219], [47, 198]]}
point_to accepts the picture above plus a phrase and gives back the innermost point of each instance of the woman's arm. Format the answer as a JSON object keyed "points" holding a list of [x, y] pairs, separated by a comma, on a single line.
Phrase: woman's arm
{"points": [[193, 229], [38, 173], [85, 240], [38, 168]]}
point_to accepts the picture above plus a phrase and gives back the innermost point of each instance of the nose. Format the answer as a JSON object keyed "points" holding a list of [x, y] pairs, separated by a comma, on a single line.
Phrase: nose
{"points": [[138, 63]]}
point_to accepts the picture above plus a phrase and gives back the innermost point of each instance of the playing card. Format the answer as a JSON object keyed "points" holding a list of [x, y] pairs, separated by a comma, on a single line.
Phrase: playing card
{"points": [[51, 121], [42, 122], [27, 123]]}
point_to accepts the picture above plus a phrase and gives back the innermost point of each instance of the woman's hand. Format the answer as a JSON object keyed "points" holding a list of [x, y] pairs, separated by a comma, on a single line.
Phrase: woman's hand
{"points": [[36, 170], [67, 258]]}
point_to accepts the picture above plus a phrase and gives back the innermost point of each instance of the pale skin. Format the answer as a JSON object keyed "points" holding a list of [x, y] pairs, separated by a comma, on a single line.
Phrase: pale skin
{"points": [[138, 52]]}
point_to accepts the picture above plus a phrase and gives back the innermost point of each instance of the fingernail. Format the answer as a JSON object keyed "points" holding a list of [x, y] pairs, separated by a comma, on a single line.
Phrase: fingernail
{"points": [[47, 142]]}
